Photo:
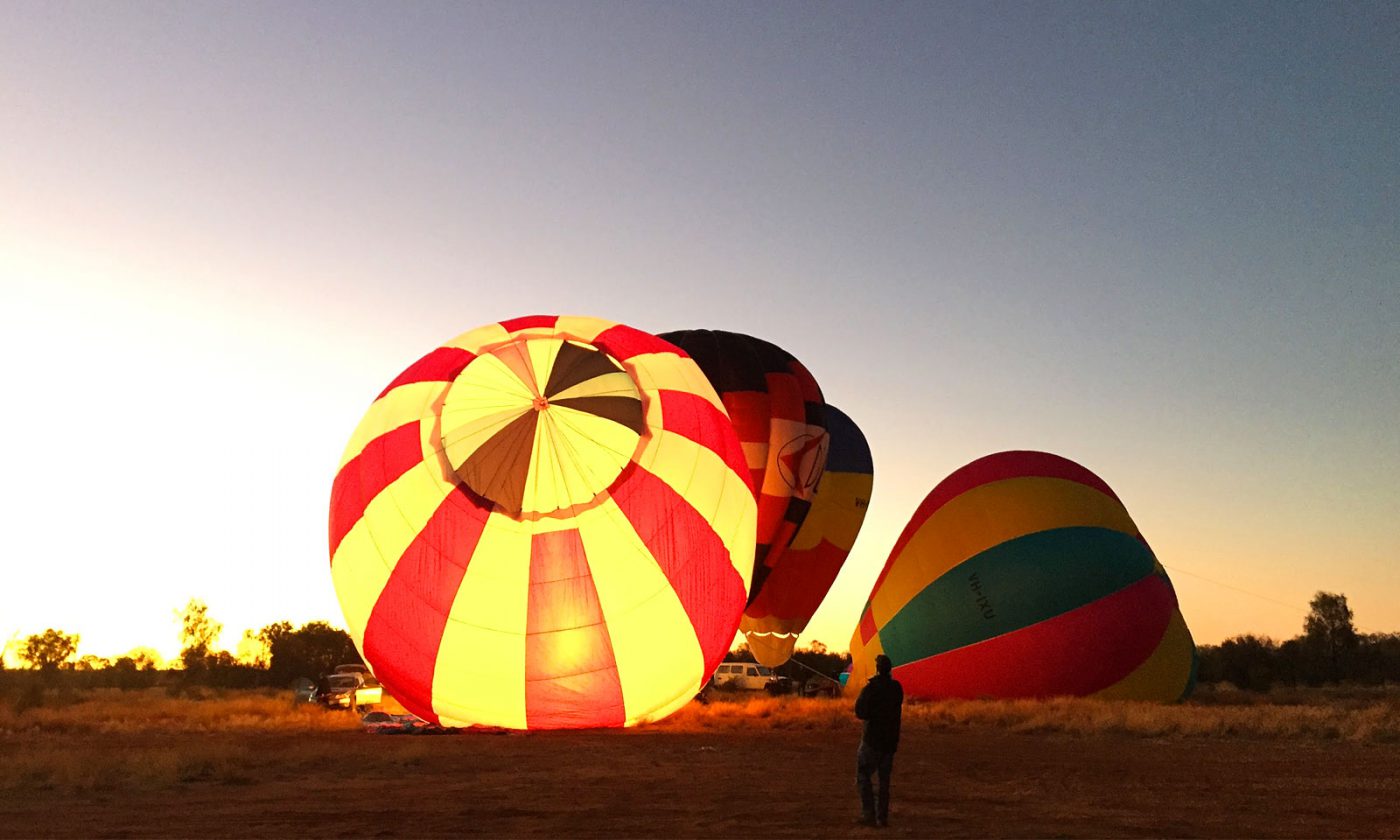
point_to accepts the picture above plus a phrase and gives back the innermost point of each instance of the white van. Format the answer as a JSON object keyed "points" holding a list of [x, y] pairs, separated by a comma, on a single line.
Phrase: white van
{"points": [[746, 676]]}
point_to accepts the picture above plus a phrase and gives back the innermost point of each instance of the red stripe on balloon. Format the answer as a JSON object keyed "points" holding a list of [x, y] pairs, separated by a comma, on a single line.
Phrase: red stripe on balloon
{"points": [[623, 342], [798, 585], [999, 466], [363, 477], [441, 365], [748, 413], [1077, 653], [867, 626], [405, 627], [690, 554], [527, 322], [785, 396], [695, 418], [571, 678]]}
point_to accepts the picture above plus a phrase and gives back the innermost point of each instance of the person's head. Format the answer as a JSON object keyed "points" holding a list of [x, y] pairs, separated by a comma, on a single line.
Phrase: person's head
{"points": [[883, 665]]}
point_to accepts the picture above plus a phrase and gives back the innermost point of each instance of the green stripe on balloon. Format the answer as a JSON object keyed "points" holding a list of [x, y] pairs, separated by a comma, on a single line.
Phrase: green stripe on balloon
{"points": [[1013, 585]]}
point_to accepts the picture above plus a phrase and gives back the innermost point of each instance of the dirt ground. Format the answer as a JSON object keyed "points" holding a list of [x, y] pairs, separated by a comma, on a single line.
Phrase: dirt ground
{"points": [[657, 783]]}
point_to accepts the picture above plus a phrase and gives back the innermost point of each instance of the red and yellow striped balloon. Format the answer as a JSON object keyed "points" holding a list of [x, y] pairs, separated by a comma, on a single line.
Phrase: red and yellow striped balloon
{"points": [[1022, 575], [544, 523]]}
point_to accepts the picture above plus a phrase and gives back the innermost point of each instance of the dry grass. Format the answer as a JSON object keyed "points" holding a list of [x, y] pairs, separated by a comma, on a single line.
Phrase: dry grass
{"points": [[112, 711], [42, 764], [156, 741], [1370, 718]]}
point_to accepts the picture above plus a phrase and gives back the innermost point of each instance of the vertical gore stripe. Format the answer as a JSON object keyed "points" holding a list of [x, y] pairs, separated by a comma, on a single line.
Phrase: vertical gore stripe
{"points": [[382, 461], [571, 678], [748, 413], [530, 322], [867, 625], [689, 553], [623, 342], [696, 418], [441, 365], [405, 627]]}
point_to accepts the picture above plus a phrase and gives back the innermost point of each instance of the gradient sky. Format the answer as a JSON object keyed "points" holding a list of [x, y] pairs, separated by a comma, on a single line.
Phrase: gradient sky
{"points": [[1161, 239]]}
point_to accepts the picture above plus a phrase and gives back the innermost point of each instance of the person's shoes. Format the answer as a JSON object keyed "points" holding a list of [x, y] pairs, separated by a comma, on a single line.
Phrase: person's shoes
{"points": [[864, 820]]}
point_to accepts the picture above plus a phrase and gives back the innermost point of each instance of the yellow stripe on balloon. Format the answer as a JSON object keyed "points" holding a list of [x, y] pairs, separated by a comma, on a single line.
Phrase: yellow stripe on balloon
{"points": [[1164, 674], [401, 405], [369, 552], [694, 471], [963, 528], [482, 653], [834, 516], [608, 385], [564, 471], [658, 655], [475, 340], [668, 372], [581, 327], [862, 661], [542, 356]]}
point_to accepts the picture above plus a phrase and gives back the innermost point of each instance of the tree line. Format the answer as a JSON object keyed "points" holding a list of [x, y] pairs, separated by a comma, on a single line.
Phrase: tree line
{"points": [[276, 655], [1329, 650]]}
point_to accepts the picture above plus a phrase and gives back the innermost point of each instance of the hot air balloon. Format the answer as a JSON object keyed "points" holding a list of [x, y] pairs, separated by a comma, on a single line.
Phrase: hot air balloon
{"points": [[797, 585], [1022, 575], [544, 523], [778, 412]]}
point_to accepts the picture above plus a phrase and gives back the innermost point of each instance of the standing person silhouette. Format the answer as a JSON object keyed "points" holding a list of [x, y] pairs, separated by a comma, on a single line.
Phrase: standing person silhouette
{"points": [[879, 705]]}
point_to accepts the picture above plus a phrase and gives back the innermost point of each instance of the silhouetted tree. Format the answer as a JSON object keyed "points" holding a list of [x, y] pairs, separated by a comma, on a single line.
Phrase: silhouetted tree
{"points": [[1329, 633], [50, 649], [309, 651], [1248, 662]]}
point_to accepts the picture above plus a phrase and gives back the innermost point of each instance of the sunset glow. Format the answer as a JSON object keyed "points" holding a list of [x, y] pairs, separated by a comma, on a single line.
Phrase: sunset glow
{"points": [[224, 229]]}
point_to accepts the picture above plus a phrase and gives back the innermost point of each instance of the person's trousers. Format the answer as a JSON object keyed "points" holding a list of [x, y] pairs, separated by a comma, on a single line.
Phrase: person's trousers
{"points": [[870, 762]]}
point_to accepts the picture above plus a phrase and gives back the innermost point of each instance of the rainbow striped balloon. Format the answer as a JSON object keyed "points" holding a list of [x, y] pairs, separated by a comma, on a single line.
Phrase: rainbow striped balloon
{"points": [[544, 523], [1022, 575]]}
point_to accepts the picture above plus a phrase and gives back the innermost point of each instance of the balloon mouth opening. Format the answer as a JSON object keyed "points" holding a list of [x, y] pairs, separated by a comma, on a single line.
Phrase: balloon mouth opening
{"points": [[541, 424]]}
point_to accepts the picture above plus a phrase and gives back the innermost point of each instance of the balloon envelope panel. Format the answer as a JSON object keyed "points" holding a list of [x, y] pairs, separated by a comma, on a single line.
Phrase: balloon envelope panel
{"points": [[544, 523], [1022, 575], [797, 585], [779, 415]]}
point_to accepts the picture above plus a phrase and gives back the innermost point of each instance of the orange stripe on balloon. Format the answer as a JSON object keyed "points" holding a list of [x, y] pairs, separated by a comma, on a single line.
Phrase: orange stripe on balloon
{"points": [[571, 678], [382, 461], [405, 627]]}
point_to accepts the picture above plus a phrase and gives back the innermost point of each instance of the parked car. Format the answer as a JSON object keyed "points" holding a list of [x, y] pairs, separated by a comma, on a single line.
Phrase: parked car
{"points": [[780, 685], [349, 691], [743, 676], [821, 687]]}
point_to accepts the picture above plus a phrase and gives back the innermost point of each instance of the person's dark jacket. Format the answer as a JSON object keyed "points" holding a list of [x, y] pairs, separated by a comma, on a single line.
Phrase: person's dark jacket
{"points": [[879, 705]]}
